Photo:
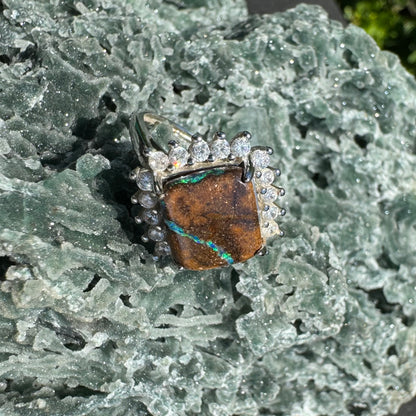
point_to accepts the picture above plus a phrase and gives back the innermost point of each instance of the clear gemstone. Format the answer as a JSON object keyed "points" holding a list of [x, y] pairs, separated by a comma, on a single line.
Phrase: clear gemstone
{"points": [[270, 228], [156, 234], [220, 149], [270, 194], [266, 177], [145, 180], [147, 200], [151, 217], [260, 159], [271, 213], [199, 150], [240, 146], [178, 156], [158, 161], [162, 248]]}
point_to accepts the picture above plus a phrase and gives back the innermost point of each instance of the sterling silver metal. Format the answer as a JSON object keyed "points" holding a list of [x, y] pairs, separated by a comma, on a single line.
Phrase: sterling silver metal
{"points": [[144, 143], [158, 141], [142, 139]]}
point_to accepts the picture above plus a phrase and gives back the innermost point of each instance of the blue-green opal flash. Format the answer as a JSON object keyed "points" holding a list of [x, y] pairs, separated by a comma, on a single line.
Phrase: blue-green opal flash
{"points": [[198, 178], [178, 230]]}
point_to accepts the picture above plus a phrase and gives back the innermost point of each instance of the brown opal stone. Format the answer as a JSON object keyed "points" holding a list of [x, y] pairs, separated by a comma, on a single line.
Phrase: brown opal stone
{"points": [[212, 219]]}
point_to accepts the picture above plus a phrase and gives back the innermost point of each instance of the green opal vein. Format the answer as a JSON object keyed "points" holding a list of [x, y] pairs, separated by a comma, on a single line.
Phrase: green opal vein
{"points": [[178, 230], [198, 177]]}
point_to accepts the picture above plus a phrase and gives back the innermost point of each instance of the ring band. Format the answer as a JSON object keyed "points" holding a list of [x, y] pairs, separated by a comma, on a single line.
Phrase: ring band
{"points": [[208, 204]]}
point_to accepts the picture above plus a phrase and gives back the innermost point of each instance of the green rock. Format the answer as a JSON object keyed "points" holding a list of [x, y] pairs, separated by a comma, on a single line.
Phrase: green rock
{"points": [[90, 324]]}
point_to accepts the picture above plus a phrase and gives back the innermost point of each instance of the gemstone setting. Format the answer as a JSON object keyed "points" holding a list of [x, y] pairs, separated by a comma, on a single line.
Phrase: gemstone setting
{"points": [[145, 180], [220, 149], [212, 218], [158, 161], [240, 146], [178, 156], [199, 150], [147, 200], [207, 204], [265, 176], [260, 158], [151, 217]]}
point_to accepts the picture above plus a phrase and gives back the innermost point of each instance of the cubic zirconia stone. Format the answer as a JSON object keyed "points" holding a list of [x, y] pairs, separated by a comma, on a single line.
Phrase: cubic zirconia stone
{"points": [[266, 177], [178, 156], [162, 249], [147, 200], [269, 229], [240, 146], [220, 149], [270, 195], [158, 161], [271, 213], [145, 180], [151, 217], [156, 234], [199, 150], [260, 159]]}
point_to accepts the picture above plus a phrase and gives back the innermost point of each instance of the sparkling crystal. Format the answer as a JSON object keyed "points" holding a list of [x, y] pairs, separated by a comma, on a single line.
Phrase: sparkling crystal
{"points": [[156, 234], [220, 149], [270, 213], [240, 146], [147, 200], [162, 248], [158, 161], [260, 158], [151, 217], [270, 228], [266, 177], [178, 156], [199, 150], [270, 194], [145, 180]]}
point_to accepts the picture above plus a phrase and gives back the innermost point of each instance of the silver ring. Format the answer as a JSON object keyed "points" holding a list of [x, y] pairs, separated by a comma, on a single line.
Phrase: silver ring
{"points": [[207, 204]]}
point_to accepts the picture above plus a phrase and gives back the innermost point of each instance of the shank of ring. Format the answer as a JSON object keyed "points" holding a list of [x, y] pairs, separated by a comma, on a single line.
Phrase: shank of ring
{"points": [[142, 138]]}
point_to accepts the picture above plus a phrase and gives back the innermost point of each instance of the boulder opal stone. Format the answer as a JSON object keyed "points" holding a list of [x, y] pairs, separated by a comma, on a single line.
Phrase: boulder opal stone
{"points": [[212, 218]]}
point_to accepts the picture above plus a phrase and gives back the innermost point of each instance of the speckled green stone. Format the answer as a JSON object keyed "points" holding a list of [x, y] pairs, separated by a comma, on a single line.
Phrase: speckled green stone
{"points": [[90, 324]]}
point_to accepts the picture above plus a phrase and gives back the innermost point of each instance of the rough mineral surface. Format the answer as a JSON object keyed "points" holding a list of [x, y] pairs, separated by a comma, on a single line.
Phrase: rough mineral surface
{"points": [[90, 325]]}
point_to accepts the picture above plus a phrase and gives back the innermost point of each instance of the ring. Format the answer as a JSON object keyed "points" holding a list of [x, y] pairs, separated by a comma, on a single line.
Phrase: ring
{"points": [[207, 203]]}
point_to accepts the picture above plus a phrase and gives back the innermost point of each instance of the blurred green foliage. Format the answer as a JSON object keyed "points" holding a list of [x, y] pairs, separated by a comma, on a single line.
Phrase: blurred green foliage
{"points": [[392, 23]]}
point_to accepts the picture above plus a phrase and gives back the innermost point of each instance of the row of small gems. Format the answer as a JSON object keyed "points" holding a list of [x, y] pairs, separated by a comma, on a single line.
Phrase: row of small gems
{"points": [[267, 194], [200, 152], [151, 213]]}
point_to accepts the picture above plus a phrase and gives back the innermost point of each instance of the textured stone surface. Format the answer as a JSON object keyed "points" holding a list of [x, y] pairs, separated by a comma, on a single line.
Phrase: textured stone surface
{"points": [[212, 218], [325, 325]]}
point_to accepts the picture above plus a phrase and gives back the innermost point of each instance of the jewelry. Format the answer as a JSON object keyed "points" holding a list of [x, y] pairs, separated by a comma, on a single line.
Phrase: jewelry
{"points": [[207, 204]]}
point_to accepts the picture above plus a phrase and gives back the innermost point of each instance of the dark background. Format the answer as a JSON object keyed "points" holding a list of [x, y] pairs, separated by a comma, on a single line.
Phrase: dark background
{"points": [[334, 12]]}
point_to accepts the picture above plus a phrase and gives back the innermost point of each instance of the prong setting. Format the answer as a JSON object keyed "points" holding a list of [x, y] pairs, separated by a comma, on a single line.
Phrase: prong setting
{"points": [[199, 154], [263, 251]]}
